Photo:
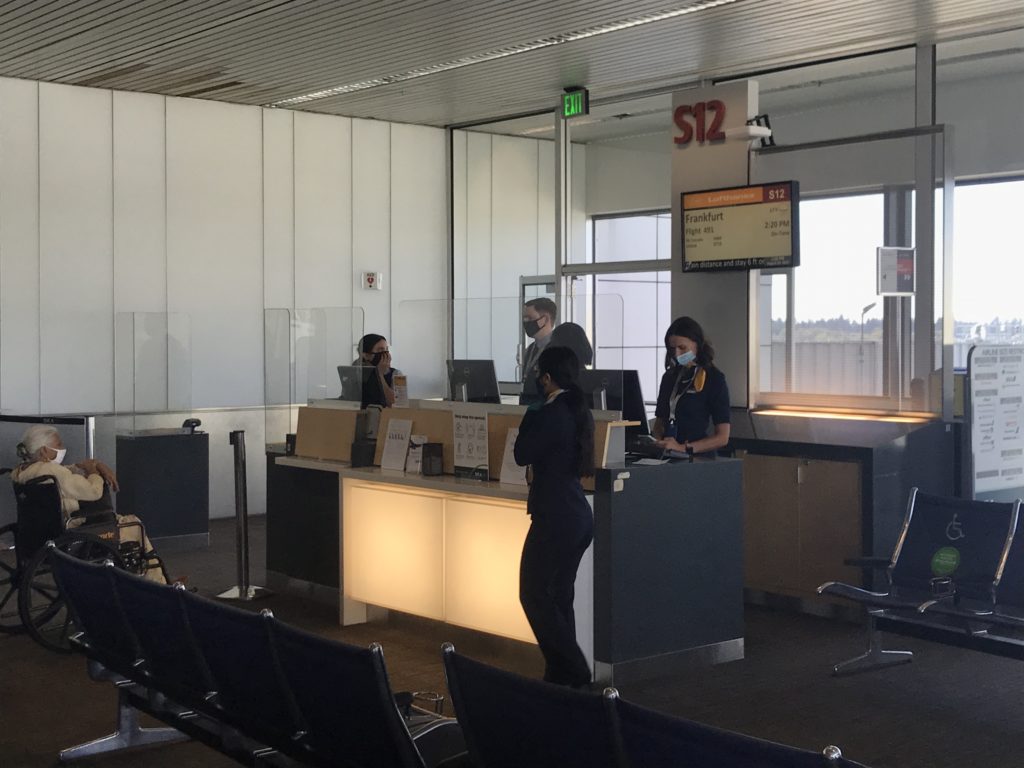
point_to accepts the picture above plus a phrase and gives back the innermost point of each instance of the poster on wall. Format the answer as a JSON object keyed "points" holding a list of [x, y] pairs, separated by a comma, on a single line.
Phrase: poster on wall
{"points": [[996, 380]]}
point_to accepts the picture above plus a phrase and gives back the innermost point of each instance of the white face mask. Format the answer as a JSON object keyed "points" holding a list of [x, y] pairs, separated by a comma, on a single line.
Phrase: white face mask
{"points": [[59, 458]]}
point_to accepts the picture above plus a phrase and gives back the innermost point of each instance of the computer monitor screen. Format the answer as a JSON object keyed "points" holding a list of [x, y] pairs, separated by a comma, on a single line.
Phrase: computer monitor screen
{"points": [[360, 384], [473, 381], [616, 391]]}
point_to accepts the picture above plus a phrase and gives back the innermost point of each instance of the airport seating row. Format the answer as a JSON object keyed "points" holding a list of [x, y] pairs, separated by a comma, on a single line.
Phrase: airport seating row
{"points": [[265, 693], [956, 575]]}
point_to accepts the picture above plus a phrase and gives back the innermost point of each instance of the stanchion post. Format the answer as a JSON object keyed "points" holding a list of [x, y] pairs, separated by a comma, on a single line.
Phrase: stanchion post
{"points": [[243, 590]]}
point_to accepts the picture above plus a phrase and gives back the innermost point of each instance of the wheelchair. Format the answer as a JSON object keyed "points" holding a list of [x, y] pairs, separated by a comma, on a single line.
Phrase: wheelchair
{"points": [[30, 599]]}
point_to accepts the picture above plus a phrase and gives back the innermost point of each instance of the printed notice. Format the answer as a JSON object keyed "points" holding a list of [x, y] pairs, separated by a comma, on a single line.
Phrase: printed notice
{"points": [[511, 473], [470, 432], [400, 384], [997, 412], [396, 444]]}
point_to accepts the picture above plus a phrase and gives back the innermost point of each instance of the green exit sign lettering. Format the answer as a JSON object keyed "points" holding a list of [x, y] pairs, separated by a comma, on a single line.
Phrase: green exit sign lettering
{"points": [[576, 102]]}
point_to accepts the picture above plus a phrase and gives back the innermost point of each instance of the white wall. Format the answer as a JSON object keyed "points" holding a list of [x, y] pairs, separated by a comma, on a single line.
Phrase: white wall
{"points": [[116, 202], [504, 229]]}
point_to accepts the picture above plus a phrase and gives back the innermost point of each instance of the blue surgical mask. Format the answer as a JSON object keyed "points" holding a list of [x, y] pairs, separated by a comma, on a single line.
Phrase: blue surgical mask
{"points": [[686, 358]]}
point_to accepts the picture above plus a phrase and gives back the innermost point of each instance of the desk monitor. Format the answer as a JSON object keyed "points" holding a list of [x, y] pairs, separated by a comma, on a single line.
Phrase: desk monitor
{"points": [[609, 390], [360, 384], [473, 381]]}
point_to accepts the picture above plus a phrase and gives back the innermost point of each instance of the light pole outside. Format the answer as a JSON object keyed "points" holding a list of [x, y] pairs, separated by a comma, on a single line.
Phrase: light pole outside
{"points": [[863, 312]]}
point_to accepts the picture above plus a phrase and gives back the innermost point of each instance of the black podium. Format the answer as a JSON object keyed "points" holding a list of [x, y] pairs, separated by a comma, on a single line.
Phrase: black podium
{"points": [[164, 476]]}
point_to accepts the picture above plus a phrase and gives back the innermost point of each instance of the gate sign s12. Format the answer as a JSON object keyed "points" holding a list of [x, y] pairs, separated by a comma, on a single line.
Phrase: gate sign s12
{"points": [[735, 228]]}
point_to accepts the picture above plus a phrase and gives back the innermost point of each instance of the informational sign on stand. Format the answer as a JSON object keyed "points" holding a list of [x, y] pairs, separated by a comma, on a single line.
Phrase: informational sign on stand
{"points": [[996, 380], [470, 430], [896, 273], [511, 473], [396, 444]]}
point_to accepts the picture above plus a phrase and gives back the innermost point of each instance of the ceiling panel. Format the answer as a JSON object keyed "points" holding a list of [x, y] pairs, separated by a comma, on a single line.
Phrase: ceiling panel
{"points": [[271, 51]]}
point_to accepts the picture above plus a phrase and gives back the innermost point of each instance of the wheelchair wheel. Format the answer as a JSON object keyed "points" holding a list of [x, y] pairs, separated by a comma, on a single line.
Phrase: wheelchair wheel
{"points": [[10, 620], [42, 608]]}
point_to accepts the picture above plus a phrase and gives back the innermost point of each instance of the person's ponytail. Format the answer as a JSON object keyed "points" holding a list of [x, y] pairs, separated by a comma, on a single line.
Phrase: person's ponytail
{"points": [[562, 365], [584, 422]]}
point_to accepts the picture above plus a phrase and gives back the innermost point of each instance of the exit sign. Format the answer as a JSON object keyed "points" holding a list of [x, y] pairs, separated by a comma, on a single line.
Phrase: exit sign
{"points": [[576, 102]]}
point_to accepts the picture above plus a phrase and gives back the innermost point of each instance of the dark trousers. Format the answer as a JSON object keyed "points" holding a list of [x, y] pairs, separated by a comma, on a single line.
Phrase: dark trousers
{"points": [[547, 580]]}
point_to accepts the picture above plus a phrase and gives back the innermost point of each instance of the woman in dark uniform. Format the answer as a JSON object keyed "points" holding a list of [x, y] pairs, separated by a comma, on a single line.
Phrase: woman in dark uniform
{"points": [[556, 438], [693, 393], [378, 388]]}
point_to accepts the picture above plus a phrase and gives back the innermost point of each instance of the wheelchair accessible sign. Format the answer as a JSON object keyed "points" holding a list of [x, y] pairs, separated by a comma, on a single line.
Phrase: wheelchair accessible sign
{"points": [[947, 559]]}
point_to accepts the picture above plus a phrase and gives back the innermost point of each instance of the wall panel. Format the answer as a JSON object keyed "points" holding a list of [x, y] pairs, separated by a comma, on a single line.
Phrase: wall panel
{"points": [[19, 246], [419, 251], [278, 208], [514, 186], [371, 222], [76, 292], [323, 211], [215, 257]]}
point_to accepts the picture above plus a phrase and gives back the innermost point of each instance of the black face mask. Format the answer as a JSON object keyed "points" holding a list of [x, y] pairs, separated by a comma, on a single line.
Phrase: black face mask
{"points": [[531, 327], [377, 357]]}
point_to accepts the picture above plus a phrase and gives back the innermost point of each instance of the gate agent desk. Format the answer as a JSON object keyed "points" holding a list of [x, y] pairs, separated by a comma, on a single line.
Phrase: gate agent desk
{"points": [[660, 588]]}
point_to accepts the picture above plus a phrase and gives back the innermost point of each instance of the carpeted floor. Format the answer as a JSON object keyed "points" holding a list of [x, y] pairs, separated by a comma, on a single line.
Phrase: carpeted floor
{"points": [[949, 708]]}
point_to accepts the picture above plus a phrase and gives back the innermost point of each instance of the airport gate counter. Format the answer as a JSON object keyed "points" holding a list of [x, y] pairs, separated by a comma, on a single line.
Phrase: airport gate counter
{"points": [[822, 487], [660, 587]]}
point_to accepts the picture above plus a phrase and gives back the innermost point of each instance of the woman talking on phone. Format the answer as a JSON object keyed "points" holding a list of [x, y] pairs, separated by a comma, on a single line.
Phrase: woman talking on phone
{"points": [[373, 351], [556, 438], [693, 393]]}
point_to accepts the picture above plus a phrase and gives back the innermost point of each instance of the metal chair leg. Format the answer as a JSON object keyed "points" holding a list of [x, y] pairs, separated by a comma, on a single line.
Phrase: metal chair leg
{"points": [[875, 657], [129, 734]]}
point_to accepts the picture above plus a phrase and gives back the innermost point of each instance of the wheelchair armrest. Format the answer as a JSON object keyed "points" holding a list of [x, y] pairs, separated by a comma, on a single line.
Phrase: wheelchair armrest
{"points": [[880, 563], [98, 517]]}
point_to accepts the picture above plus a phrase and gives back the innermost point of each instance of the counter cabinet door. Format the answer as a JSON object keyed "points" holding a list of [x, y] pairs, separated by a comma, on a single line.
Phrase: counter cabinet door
{"points": [[829, 521], [771, 541]]}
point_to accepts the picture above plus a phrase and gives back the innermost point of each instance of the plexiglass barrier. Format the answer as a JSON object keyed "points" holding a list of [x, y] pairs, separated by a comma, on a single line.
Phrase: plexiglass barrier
{"points": [[491, 353], [306, 352], [152, 366]]}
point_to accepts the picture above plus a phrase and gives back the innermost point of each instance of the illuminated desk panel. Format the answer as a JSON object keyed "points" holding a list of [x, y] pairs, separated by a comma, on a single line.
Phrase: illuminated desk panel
{"points": [[432, 547], [393, 542], [483, 544]]}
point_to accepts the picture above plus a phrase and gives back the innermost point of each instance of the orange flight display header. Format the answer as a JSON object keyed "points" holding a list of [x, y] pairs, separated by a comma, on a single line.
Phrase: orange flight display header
{"points": [[737, 196]]}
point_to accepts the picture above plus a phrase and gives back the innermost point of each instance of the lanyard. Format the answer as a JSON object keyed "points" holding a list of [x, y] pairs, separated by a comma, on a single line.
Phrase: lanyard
{"points": [[678, 391]]}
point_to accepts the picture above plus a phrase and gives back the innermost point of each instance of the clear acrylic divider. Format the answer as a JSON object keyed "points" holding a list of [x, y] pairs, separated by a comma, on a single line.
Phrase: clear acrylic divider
{"points": [[491, 330], [280, 410], [303, 351], [152, 370], [485, 329]]}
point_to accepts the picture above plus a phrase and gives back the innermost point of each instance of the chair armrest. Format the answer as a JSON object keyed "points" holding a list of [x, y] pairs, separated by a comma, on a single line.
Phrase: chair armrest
{"points": [[881, 563]]}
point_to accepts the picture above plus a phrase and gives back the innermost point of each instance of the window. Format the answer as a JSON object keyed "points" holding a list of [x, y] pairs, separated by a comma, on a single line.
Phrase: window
{"points": [[827, 339], [987, 303]]}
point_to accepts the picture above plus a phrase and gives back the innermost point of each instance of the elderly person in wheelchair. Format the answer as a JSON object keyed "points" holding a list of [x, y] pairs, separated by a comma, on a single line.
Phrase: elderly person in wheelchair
{"points": [[83, 486]]}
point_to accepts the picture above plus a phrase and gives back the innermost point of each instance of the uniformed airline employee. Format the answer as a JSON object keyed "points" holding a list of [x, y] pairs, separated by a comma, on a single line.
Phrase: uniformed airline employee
{"points": [[556, 438], [693, 394]]}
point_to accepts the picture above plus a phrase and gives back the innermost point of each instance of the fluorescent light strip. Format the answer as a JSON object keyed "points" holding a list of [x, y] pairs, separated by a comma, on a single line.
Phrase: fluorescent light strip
{"points": [[501, 53]]}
